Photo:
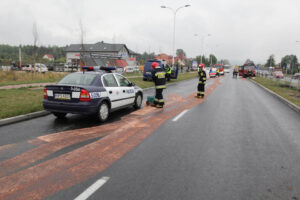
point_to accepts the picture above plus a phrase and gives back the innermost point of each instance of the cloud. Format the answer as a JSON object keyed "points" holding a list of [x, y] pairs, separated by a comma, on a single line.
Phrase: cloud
{"points": [[239, 29]]}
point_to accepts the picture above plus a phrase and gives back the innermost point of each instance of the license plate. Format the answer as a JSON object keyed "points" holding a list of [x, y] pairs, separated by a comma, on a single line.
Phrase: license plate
{"points": [[63, 96]]}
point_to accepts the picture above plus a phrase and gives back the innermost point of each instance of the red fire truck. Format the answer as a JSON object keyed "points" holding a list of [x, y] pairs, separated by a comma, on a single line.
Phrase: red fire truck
{"points": [[247, 70]]}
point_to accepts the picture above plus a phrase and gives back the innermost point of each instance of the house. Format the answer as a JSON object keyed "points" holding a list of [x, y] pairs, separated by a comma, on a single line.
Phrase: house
{"points": [[48, 57], [165, 57], [100, 54], [180, 59]]}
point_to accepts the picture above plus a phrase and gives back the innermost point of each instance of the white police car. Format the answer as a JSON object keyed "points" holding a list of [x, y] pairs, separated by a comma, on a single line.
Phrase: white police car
{"points": [[90, 92]]}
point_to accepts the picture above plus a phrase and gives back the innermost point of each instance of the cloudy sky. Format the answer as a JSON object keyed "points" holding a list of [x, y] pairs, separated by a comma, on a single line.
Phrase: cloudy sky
{"points": [[239, 29]]}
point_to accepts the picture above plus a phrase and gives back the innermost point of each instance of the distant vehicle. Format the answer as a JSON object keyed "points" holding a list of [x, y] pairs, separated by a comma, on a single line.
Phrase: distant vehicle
{"points": [[212, 72], [296, 76], [247, 70], [221, 68], [27, 68], [14, 67], [278, 74], [147, 74], [227, 68], [89, 92], [39, 67]]}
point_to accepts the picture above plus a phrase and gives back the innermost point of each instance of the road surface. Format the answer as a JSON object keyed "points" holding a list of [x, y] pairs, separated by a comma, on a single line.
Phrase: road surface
{"points": [[238, 143]]}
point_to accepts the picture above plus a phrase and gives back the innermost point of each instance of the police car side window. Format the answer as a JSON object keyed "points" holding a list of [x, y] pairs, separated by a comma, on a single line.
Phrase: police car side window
{"points": [[123, 81], [109, 81]]}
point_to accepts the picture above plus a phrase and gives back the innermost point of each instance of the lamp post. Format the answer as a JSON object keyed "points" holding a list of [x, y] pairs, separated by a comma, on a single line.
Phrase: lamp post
{"points": [[174, 23], [202, 44]]}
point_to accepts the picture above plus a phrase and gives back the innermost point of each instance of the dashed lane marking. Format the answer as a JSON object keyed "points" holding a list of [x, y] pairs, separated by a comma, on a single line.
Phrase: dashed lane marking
{"points": [[92, 189], [180, 115]]}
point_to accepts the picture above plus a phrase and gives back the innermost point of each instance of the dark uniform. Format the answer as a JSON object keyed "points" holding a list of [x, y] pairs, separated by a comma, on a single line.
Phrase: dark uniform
{"points": [[201, 83], [159, 78]]}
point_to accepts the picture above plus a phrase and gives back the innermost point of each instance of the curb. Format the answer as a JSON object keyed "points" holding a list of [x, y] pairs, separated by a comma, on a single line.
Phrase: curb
{"points": [[287, 102], [23, 117]]}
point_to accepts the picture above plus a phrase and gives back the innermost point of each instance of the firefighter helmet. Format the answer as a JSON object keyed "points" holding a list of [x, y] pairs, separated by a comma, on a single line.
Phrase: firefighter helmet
{"points": [[154, 65]]}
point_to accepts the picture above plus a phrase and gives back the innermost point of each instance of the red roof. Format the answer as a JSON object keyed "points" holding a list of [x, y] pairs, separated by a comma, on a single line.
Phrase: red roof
{"points": [[121, 63]]}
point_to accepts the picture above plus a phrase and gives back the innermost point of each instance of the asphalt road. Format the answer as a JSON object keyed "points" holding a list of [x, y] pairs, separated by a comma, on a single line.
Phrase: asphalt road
{"points": [[33, 128], [240, 143]]}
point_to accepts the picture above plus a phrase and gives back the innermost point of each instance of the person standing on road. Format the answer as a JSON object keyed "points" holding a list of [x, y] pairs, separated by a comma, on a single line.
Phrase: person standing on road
{"points": [[168, 72], [159, 78], [202, 81]]}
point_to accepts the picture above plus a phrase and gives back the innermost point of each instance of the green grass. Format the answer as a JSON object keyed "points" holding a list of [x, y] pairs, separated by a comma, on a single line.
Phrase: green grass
{"points": [[19, 77], [282, 89], [133, 74], [15, 102]]}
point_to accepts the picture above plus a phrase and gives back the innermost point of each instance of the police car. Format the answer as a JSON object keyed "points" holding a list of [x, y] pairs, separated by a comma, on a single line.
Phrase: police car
{"points": [[91, 92]]}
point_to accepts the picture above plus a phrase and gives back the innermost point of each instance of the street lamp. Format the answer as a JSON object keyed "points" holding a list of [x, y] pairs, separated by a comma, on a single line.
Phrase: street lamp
{"points": [[202, 43], [174, 23]]}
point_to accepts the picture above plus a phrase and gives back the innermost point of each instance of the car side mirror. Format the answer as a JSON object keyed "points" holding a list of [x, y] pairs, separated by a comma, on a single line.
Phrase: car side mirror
{"points": [[131, 84]]}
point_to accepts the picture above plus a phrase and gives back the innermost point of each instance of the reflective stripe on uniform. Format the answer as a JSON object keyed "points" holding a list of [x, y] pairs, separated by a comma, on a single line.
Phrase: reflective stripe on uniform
{"points": [[161, 74], [200, 82], [161, 100], [156, 100], [204, 79], [200, 92], [160, 87]]}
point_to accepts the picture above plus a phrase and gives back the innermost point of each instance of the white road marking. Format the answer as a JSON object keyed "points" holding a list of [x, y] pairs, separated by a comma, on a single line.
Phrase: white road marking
{"points": [[180, 115], [93, 188]]}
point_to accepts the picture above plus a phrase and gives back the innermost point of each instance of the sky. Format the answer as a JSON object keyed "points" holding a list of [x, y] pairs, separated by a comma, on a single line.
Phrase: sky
{"points": [[238, 29]]}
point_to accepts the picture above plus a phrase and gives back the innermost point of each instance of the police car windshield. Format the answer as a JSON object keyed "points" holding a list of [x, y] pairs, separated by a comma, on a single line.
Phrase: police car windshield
{"points": [[78, 79]]}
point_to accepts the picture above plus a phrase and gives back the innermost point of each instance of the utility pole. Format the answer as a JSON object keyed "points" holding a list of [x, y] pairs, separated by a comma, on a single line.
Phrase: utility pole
{"points": [[174, 23]]}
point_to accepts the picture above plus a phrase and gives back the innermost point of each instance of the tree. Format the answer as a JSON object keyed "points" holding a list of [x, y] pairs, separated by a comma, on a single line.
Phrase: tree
{"points": [[212, 59], [271, 61], [290, 63], [180, 52], [248, 61]]}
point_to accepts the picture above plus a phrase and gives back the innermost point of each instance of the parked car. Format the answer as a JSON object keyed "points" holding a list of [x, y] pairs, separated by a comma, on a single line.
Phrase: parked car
{"points": [[89, 92], [278, 74], [296, 76], [39, 67], [27, 68], [212, 72]]}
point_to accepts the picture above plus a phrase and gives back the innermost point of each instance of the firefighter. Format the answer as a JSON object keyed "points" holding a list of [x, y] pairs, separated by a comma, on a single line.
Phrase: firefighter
{"points": [[168, 72], [218, 72], [159, 78], [202, 80]]}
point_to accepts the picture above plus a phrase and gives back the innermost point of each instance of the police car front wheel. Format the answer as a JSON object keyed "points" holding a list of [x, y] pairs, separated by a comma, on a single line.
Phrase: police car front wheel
{"points": [[103, 112]]}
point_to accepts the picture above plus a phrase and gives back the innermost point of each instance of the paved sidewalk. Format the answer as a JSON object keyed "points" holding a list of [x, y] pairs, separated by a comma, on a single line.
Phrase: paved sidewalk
{"points": [[24, 85]]}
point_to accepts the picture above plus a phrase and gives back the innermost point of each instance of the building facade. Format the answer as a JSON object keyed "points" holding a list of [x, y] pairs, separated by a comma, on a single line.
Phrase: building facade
{"points": [[100, 54]]}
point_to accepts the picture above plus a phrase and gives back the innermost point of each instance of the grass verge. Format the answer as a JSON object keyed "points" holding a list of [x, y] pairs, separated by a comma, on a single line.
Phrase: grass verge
{"points": [[281, 89], [21, 101], [20, 77], [15, 102]]}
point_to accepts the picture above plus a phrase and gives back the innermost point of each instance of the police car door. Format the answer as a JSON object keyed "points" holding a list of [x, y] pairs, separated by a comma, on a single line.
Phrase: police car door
{"points": [[113, 91], [127, 90]]}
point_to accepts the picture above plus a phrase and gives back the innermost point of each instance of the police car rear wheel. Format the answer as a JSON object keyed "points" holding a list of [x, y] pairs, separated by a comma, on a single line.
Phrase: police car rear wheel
{"points": [[103, 112], [138, 101], [59, 115]]}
